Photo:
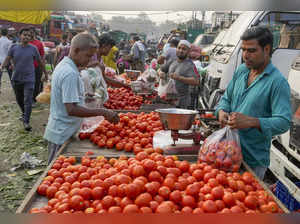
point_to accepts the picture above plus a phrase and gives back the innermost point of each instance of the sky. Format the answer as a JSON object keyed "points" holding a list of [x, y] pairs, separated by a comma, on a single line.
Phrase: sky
{"points": [[156, 16]]}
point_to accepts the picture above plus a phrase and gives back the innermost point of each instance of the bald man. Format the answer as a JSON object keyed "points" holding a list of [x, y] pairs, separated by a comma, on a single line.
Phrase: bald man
{"points": [[67, 95]]}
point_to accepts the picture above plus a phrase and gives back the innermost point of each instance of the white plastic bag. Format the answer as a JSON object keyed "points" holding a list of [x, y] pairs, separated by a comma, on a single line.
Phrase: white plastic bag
{"points": [[222, 150], [170, 92], [90, 124], [95, 87]]}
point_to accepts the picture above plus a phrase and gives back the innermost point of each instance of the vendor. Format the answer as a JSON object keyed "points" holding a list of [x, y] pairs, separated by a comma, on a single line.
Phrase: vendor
{"points": [[257, 100], [67, 95], [183, 71], [105, 43]]}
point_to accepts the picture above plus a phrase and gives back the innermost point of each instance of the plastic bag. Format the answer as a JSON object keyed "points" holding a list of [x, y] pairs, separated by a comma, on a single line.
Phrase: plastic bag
{"points": [[110, 72], [170, 92], [222, 150], [95, 87], [90, 124], [45, 96]]}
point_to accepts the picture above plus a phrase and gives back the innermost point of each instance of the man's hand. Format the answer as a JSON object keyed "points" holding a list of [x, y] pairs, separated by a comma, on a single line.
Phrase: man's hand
{"points": [[240, 121], [223, 117], [175, 76], [112, 116], [162, 75]]}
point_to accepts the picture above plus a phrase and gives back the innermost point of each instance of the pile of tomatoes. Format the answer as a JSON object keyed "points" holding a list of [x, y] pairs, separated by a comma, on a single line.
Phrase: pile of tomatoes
{"points": [[149, 183], [134, 132], [124, 99]]}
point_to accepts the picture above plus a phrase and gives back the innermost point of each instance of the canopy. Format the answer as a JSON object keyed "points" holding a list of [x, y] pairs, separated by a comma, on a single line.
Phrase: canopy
{"points": [[27, 17]]}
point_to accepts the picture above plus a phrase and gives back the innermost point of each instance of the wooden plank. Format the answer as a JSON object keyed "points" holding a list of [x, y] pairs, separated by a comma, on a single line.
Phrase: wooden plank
{"points": [[32, 196], [280, 204], [79, 148]]}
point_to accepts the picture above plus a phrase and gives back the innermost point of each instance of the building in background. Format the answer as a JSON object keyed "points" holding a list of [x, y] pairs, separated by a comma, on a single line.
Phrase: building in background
{"points": [[223, 19]]}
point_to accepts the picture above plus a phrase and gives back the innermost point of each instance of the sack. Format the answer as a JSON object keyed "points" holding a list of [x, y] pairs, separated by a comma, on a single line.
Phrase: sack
{"points": [[45, 96], [90, 124], [222, 150]]}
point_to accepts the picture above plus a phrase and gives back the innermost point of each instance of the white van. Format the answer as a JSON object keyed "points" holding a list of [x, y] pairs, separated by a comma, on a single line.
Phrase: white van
{"points": [[227, 55], [285, 150]]}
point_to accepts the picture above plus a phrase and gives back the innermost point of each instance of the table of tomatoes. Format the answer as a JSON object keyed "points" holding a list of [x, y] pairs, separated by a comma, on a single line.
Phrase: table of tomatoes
{"points": [[146, 181]]}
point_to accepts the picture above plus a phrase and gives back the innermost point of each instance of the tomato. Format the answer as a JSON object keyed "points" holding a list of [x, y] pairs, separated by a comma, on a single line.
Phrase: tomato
{"points": [[114, 209], [143, 199], [176, 196], [132, 190], [228, 199], [188, 200], [198, 174], [137, 171], [146, 210], [193, 189], [42, 189], [108, 201], [164, 192], [155, 176], [77, 202], [251, 202], [210, 206], [240, 195], [50, 192], [273, 207], [217, 192], [164, 208], [169, 182], [131, 209], [220, 205], [236, 209]]}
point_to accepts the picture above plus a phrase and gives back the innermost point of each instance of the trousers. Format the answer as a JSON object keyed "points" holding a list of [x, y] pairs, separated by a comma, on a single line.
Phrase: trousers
{"points": [[24, 95]]}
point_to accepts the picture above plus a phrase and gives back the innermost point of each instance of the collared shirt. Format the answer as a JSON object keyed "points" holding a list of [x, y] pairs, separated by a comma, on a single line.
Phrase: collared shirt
{"points": [[66, 87], [5, 44], [268, 99], [23, 57]]}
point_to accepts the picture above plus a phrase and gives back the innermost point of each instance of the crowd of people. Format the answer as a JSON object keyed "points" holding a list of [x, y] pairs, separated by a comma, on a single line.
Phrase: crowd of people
{"points": [[79, 76]]}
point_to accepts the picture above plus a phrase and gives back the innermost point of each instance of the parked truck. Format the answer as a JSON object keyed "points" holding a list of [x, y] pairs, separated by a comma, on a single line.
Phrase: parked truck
{"points": [[227, 55]]}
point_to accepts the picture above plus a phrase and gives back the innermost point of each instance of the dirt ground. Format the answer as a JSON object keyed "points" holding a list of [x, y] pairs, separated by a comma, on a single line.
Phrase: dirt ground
{"points": [[14, 185]]}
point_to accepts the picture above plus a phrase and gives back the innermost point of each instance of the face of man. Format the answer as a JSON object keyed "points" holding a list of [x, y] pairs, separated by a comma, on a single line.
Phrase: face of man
{"points": [[104, 50], [182, 51], [83, 57], [25, 37], [254, 55]]}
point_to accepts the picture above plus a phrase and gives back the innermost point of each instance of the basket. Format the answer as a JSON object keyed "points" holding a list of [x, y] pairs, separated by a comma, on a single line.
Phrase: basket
{"points": [[285, 197]]}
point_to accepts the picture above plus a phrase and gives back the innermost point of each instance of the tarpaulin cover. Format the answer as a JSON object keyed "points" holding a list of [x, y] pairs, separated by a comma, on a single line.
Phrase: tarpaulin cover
{"points": [[27, 17]]}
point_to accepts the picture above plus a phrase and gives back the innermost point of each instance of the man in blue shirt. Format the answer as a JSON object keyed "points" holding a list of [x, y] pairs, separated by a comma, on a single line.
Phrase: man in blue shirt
{"points": [[23, 77], [67, 95], [257, 100]]}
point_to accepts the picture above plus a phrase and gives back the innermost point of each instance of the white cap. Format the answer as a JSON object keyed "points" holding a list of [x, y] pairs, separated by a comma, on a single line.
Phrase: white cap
{"points": [[185, 42]]}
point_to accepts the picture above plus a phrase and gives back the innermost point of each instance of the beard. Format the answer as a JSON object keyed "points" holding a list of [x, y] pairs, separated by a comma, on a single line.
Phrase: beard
{"points": [[182, 57]]}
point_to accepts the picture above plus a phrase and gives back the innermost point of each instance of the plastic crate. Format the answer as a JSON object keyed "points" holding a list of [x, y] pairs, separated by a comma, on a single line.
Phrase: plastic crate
{"points": [[285, 197]]}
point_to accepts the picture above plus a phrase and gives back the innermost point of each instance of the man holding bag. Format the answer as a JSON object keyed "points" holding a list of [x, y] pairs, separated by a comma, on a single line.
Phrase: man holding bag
{"points": [[257, 100]]}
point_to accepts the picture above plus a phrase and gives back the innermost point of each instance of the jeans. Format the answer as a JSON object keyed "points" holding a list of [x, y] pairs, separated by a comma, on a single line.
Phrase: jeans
{"points": [[52, 150], [260, 171], [24, 94], [38, 83]]}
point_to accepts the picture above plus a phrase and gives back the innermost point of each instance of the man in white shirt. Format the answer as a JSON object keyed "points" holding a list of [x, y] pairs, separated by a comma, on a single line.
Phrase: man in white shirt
{"points": [[5, 44]]}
